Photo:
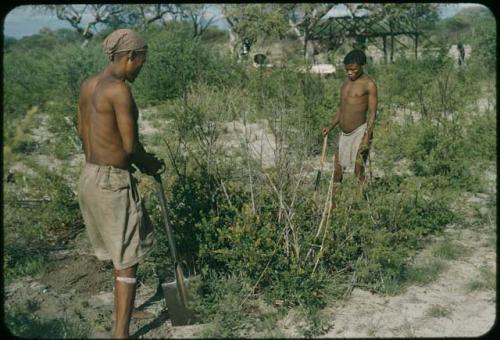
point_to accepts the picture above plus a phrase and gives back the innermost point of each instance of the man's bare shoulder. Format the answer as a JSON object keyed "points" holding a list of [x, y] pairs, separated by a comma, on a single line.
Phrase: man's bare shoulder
{"points": [[370, 81], [112, 89], [89, 83], [113, 85]]}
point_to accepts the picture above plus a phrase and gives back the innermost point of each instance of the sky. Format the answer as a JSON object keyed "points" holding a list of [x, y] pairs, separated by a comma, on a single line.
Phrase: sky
{"points": [[28, 20]]}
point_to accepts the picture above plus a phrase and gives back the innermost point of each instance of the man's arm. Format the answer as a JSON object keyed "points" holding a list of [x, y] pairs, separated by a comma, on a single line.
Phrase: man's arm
{"points": [[123, 106], [333, 124], [121, 99], [79, 123], [372, 113], [372, 106]]}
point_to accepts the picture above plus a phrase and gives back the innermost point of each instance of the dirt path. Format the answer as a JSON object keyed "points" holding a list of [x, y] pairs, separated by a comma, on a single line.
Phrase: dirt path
{"points": [[442, 308]]}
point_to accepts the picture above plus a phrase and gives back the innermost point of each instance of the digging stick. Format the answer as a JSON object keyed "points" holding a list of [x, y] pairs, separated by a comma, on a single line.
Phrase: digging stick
{"points": [[321, 162]]}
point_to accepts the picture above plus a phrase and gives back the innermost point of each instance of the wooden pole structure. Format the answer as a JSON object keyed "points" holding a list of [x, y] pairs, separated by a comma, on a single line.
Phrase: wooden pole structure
{"points": [[392, 48], [385, 48], [416, 46]]}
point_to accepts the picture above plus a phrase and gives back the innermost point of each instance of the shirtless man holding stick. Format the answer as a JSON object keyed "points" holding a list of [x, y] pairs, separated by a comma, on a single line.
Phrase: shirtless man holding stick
{"points": [[356, 117]]}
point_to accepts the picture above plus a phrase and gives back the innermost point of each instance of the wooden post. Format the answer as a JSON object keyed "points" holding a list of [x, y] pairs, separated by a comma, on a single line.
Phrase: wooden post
{"points": [[416, 46], [385, 48], [392, 48], [392, 41]]}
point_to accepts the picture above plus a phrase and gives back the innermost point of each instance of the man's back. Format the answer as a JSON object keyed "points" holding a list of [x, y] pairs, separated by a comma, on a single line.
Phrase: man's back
{"points": [[97, 119]]}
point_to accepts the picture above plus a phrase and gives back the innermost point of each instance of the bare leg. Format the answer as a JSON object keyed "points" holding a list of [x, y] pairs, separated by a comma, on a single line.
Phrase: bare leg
{"points": [[124, 301]]}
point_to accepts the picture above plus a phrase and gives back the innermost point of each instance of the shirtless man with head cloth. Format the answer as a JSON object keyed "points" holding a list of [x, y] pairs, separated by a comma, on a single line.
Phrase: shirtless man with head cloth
{"points": [[356, 117], [116, 221]]}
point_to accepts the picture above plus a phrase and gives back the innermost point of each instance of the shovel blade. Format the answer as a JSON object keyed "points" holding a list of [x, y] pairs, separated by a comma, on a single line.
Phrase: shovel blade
{"points": [[179, 313]]}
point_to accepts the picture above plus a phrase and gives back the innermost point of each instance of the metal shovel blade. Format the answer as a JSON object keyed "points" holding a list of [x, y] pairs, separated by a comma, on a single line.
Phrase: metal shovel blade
{"points": [[177, 298]]}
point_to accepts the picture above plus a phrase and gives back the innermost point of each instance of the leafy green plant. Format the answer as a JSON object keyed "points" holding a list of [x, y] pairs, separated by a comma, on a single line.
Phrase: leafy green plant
{"points": [[425, 272], [437, 311], [448, 250], [34, 225], [486, 280], [25, 325]]}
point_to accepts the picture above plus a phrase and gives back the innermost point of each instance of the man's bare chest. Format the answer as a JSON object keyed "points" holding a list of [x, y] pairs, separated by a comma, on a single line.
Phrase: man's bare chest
{"points": [[354, 91]]}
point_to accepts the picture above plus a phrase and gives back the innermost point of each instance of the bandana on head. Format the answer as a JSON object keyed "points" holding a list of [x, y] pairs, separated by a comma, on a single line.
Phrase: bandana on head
{"points": [[122, 40]]}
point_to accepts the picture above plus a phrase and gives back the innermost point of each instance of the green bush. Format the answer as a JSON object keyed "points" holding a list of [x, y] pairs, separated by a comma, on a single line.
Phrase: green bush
{"points": [[25, 325], [480, 138], [34, 229], [439, 151], [175, 61]]}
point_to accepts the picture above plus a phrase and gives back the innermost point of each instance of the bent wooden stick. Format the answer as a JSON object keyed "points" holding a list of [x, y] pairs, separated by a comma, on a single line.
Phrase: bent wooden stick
{"points": [[321, 162]]}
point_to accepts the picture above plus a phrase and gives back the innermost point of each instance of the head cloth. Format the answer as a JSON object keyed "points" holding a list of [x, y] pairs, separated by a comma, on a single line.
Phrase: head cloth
{"points": [[122, 40]]}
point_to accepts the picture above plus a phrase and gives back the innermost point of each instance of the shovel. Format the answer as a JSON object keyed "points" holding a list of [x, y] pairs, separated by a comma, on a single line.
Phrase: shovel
{"points": [[177, 292]]}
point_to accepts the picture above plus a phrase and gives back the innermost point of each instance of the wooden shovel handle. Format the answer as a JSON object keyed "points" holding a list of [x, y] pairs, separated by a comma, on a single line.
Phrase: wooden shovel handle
{"points": [[323, 152], [164, 212]]}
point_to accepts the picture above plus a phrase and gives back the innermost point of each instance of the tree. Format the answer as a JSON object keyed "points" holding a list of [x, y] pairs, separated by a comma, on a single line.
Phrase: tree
{"points": [[138, 16], [483, 39], [253, 21], [73, 14], [199, 15], [141, 16], [8, 41], [302, 19]]}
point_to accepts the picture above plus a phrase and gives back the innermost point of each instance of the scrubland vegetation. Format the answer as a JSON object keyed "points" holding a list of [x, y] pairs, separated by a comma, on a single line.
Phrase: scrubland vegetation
{"points": [[251, 228]]}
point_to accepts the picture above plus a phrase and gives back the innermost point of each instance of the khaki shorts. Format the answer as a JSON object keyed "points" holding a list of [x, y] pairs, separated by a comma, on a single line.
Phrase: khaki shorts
{"points": [[114, 215]]}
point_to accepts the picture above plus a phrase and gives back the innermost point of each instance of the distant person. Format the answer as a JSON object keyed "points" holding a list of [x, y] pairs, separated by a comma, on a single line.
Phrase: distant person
{"points": [[356, 117], [116, 221], [461, 54]]}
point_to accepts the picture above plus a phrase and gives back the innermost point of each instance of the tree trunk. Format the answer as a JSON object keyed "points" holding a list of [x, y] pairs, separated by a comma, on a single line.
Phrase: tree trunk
{"points": [[416, 46], [309, 50], [392, 41], [385, 48], [85, 43], [307, 45], [233, 41], [392, 48]]}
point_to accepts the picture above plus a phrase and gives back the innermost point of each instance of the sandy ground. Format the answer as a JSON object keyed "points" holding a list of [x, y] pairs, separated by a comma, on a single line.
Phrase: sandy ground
{"points": [[261, 141], [410, 314]]}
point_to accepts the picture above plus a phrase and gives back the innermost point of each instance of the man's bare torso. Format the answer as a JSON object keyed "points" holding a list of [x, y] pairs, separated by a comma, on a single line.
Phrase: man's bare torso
{"points": [[102, 141], [354, 103]]}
